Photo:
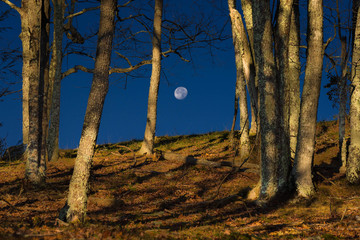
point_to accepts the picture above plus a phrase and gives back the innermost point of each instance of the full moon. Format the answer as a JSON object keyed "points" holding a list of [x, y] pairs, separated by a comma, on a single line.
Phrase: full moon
{"points": [[180, 93]]}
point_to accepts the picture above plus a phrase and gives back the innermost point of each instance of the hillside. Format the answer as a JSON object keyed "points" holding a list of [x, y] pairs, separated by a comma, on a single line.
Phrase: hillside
{"points": [[153, 198]]}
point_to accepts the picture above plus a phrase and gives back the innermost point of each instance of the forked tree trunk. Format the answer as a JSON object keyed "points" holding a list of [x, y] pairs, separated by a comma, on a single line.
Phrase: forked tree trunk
{"points": [[55, 80], [282, 59], [75, 209], [294, 77], [149, 136], [353, 161], [309, 101], [240, 91]]}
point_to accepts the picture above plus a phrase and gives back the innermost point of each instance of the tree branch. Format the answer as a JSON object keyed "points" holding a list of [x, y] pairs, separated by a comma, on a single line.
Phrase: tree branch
{"points": [[76, 69], [13, 6], [81, 12], [125, 4], [131, 68]]}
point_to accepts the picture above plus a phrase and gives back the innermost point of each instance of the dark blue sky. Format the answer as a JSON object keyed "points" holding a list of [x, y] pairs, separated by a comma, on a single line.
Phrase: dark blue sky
{"points": [[210, 80]]}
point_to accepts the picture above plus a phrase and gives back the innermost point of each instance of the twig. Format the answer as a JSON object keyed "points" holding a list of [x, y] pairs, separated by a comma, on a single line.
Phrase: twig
{"points": [[12, 206], [119, 154], [343, 215], [326, 179]]}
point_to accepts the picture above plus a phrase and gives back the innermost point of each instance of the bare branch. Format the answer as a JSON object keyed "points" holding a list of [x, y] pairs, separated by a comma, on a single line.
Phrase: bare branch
{"points": [[80, 53], [330, 39], [122, 56], [82, 11], [131, 68], [76, 69], [125, 4], [13, 6]]}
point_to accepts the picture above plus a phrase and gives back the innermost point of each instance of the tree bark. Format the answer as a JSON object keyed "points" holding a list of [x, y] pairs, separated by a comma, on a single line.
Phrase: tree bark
{"points": [[294, 77], [246, 6], [75, 209], [240, 90], [266, 72], [55, 81], [353, 161], [309, 101], [149, 136], [343, 92], [282, 32]]}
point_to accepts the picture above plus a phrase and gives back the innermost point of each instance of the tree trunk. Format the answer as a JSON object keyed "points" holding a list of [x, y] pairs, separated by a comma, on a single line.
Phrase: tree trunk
{"points": [[246, 6], [149, 136], [343, 92], [75, 210], [309, 101], [34, 37], [294, 77], [353, 161], [266, 72], [55, 81], [282, 59], [240, 91]]}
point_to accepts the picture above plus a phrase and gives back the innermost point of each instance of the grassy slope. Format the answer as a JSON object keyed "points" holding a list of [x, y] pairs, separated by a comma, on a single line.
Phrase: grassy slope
{"points": [[152, 198]]}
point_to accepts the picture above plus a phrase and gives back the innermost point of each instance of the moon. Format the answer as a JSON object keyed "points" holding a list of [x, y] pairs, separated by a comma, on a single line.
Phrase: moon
{"points": [[180, 93]]}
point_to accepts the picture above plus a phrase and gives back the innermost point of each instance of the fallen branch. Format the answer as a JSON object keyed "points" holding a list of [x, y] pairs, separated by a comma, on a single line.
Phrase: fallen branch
{"points": [[12, 206], [193, 161]]}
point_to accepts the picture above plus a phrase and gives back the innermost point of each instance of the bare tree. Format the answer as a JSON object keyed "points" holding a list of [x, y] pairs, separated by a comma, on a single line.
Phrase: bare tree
{"points": [[309, 101], [294, 77], [34, 36], [246, 6], [266, 73], [55, 81], [239, 40], [149, 136], [353, 161], [75, 208]]}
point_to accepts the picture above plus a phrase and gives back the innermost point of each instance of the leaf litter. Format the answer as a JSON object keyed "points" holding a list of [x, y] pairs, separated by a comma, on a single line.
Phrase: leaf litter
{"points": [[152, 198]]}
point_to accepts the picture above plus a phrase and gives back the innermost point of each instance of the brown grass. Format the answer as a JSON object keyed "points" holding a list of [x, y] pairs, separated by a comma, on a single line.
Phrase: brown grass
{"points": [[162, 199]]}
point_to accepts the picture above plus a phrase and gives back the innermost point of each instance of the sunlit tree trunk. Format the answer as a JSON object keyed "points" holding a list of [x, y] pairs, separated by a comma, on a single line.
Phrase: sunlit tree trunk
{"points": [[240, 91], [75, 209], [266, 72], [246, 6], [309, 101], [294, 77], [55, 80], [149, 136], [282, 32], [34, 36], [353, 161]]}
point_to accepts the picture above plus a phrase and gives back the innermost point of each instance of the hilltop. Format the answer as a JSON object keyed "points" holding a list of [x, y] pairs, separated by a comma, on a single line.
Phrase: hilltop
{"points": [[134, 197]]}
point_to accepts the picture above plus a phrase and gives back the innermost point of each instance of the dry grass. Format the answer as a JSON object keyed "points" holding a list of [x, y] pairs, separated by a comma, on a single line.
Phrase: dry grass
{"points": [[162, 199]]}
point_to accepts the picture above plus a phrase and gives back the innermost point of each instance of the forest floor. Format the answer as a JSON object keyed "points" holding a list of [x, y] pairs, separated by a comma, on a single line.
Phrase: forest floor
{"points": [[151, 198]]}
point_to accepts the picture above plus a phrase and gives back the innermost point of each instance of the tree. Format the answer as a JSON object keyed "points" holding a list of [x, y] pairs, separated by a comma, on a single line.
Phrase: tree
{"points": [[309, 101], [55, 81], [34, 36], [353, 161], [179, 35], [294, 77], [266, 73], [239, 40], [149, 136], [282, 32], [75, 208], [246, 6]]}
